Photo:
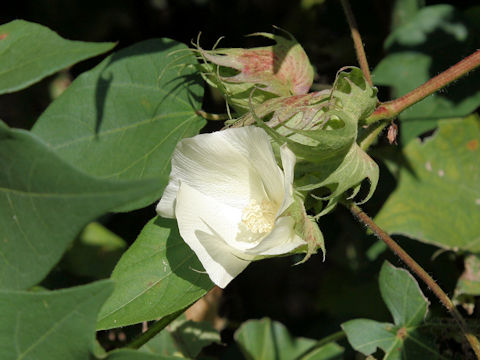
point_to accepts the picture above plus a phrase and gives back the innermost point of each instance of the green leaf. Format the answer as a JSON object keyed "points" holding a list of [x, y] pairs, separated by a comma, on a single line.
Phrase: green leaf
{"points": [[94, 253], [157, 276], [265, 339], [404, 10], [44, 203], [408, 306], [183, 337], [127, 354], [437, 199], [434, 39], [29, 52], [50, 324], [123, 119]]}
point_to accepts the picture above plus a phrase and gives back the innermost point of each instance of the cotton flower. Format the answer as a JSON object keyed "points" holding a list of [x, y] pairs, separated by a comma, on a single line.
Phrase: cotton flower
{"points": [[229, 197]]}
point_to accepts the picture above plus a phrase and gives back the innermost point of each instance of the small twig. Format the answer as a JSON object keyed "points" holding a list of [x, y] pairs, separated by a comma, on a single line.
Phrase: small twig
{"points": [[391, 109], [143, 338], [421, 273], [357, 41]]}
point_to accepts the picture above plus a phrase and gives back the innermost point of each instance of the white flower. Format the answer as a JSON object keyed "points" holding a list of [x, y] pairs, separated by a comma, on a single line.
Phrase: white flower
{"points": [[228, 195]]}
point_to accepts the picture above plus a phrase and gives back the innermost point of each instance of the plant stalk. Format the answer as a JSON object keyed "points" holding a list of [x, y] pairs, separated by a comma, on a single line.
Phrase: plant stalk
{"points": [[339, 335], [357, 41], [421, 273], [142, 339], [391, 109]]}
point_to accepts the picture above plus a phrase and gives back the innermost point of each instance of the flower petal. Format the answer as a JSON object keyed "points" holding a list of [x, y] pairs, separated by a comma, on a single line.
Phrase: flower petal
{"points": [[202, 226], [288, 164], [232, 166], [281, 240]]}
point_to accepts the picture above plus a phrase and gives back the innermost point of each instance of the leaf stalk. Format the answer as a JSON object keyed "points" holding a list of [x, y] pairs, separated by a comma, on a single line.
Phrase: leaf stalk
{"points": [[158, 326]]}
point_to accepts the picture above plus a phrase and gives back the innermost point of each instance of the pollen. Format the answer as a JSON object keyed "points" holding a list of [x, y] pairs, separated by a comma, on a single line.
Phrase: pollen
{"points": [[259, 218]]}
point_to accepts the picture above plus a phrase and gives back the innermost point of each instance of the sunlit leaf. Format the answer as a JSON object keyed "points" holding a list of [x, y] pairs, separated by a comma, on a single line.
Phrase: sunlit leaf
{"points": [[29, 52], [157, 276], [437, 199], [122, 119]]}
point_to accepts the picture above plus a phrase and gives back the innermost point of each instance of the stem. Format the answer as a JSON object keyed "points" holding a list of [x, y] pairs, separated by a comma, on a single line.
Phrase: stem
{"points": [[357, 41], [326, 340], [209, 116], [154, 330], [331, 338], [421, 273], [391, 109]]}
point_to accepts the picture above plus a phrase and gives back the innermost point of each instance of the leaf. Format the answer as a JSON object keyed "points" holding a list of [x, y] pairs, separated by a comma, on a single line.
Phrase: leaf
{"points": [[437, 199], [127, 354], [157, 276], [408, 306], [468, 284], [183, 337], [404, 10], [50, 324], [469, 281], [44, 203], [434, 39], [265, 339], [122, 119], [29, 52], [94, 253]]}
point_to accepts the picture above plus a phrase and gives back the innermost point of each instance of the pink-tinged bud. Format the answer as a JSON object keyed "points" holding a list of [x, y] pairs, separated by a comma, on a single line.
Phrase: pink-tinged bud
{"points": [[282, 69]]}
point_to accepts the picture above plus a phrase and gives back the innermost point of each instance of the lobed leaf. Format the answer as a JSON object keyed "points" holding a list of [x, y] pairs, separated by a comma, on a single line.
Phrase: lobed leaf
{"points": [[437, 199], [408, 306]]}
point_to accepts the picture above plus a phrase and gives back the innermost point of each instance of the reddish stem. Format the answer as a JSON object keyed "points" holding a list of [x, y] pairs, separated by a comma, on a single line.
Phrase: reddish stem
{"points": [[391, 109], [357, 41]]}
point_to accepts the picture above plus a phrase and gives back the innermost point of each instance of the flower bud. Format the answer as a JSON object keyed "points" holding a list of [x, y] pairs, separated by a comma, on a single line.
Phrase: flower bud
{"points": [[282, 69]]}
